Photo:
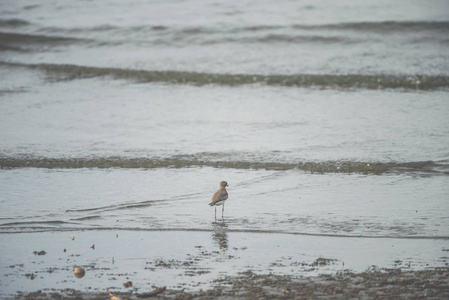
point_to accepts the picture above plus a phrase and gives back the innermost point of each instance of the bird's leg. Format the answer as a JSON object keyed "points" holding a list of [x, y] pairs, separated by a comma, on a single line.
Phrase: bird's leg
{"points": [[215, 212], [222, 211]]}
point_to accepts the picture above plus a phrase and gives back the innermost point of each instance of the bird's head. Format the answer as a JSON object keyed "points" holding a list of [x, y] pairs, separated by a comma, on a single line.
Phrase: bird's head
{"points": [[223, 184]]}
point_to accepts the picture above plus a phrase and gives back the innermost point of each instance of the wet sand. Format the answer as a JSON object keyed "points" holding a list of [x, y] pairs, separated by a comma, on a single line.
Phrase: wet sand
{"points": [[220, 264], [373, 284]]}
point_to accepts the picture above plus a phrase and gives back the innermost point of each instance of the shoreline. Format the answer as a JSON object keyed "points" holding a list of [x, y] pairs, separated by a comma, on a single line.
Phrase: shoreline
{"points": [[8, 230], [220, 264], [372, 284]]}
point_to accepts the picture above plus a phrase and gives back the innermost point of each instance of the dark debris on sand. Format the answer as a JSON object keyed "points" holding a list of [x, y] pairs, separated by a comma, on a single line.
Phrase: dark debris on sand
{"points": [[373, 284]]}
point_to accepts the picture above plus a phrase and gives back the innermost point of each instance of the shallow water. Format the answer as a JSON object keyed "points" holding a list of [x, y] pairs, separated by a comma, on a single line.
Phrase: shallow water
{"points": [[404, 37], [98, 118], [289, 201], [328, 120]]}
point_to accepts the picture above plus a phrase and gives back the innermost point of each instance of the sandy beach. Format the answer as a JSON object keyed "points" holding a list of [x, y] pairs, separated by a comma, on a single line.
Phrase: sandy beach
{"points": [[375, 284], [220, 264]]}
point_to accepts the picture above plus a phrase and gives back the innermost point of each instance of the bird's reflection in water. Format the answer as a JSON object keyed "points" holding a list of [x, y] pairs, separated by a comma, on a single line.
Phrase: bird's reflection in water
{"points": [[219, 235]]}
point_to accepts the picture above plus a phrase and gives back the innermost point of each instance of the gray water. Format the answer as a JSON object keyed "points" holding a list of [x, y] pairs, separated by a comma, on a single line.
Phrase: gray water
{"points": [[325, 118]]}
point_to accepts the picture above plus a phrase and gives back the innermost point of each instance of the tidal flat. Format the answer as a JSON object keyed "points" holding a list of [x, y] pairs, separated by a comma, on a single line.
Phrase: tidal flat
{"points": [[220, 264]]}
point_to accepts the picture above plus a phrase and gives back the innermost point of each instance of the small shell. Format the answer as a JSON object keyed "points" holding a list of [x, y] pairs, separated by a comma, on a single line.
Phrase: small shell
{"points": [[79, 272]]}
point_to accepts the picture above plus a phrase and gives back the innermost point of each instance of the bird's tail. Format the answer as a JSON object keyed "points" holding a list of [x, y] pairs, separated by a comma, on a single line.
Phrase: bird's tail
{"points": [[211, 204]]}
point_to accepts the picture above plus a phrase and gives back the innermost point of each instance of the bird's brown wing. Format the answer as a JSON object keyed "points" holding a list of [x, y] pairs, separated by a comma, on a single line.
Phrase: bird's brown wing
{"points": [[218, 196]]}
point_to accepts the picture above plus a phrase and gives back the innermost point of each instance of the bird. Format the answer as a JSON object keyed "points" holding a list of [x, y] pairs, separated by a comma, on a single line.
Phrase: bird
{"points": [[220, 197]]}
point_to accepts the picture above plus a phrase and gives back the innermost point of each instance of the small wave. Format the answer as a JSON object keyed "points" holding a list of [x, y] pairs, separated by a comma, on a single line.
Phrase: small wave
{"points": [[31, 7], [14, 39], [141, 204], [13, 23], [12, 48], [102, 28], [383, 27], [41, 223], [348, 81], [31, 229], [87, 218], [217, 160], [257, 34], [98, 28], [13, 90], [289, 38], [272, 38]]}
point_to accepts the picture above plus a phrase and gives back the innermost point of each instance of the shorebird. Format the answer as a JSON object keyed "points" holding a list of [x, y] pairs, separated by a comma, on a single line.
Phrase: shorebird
{"points": [[220, 197]]}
